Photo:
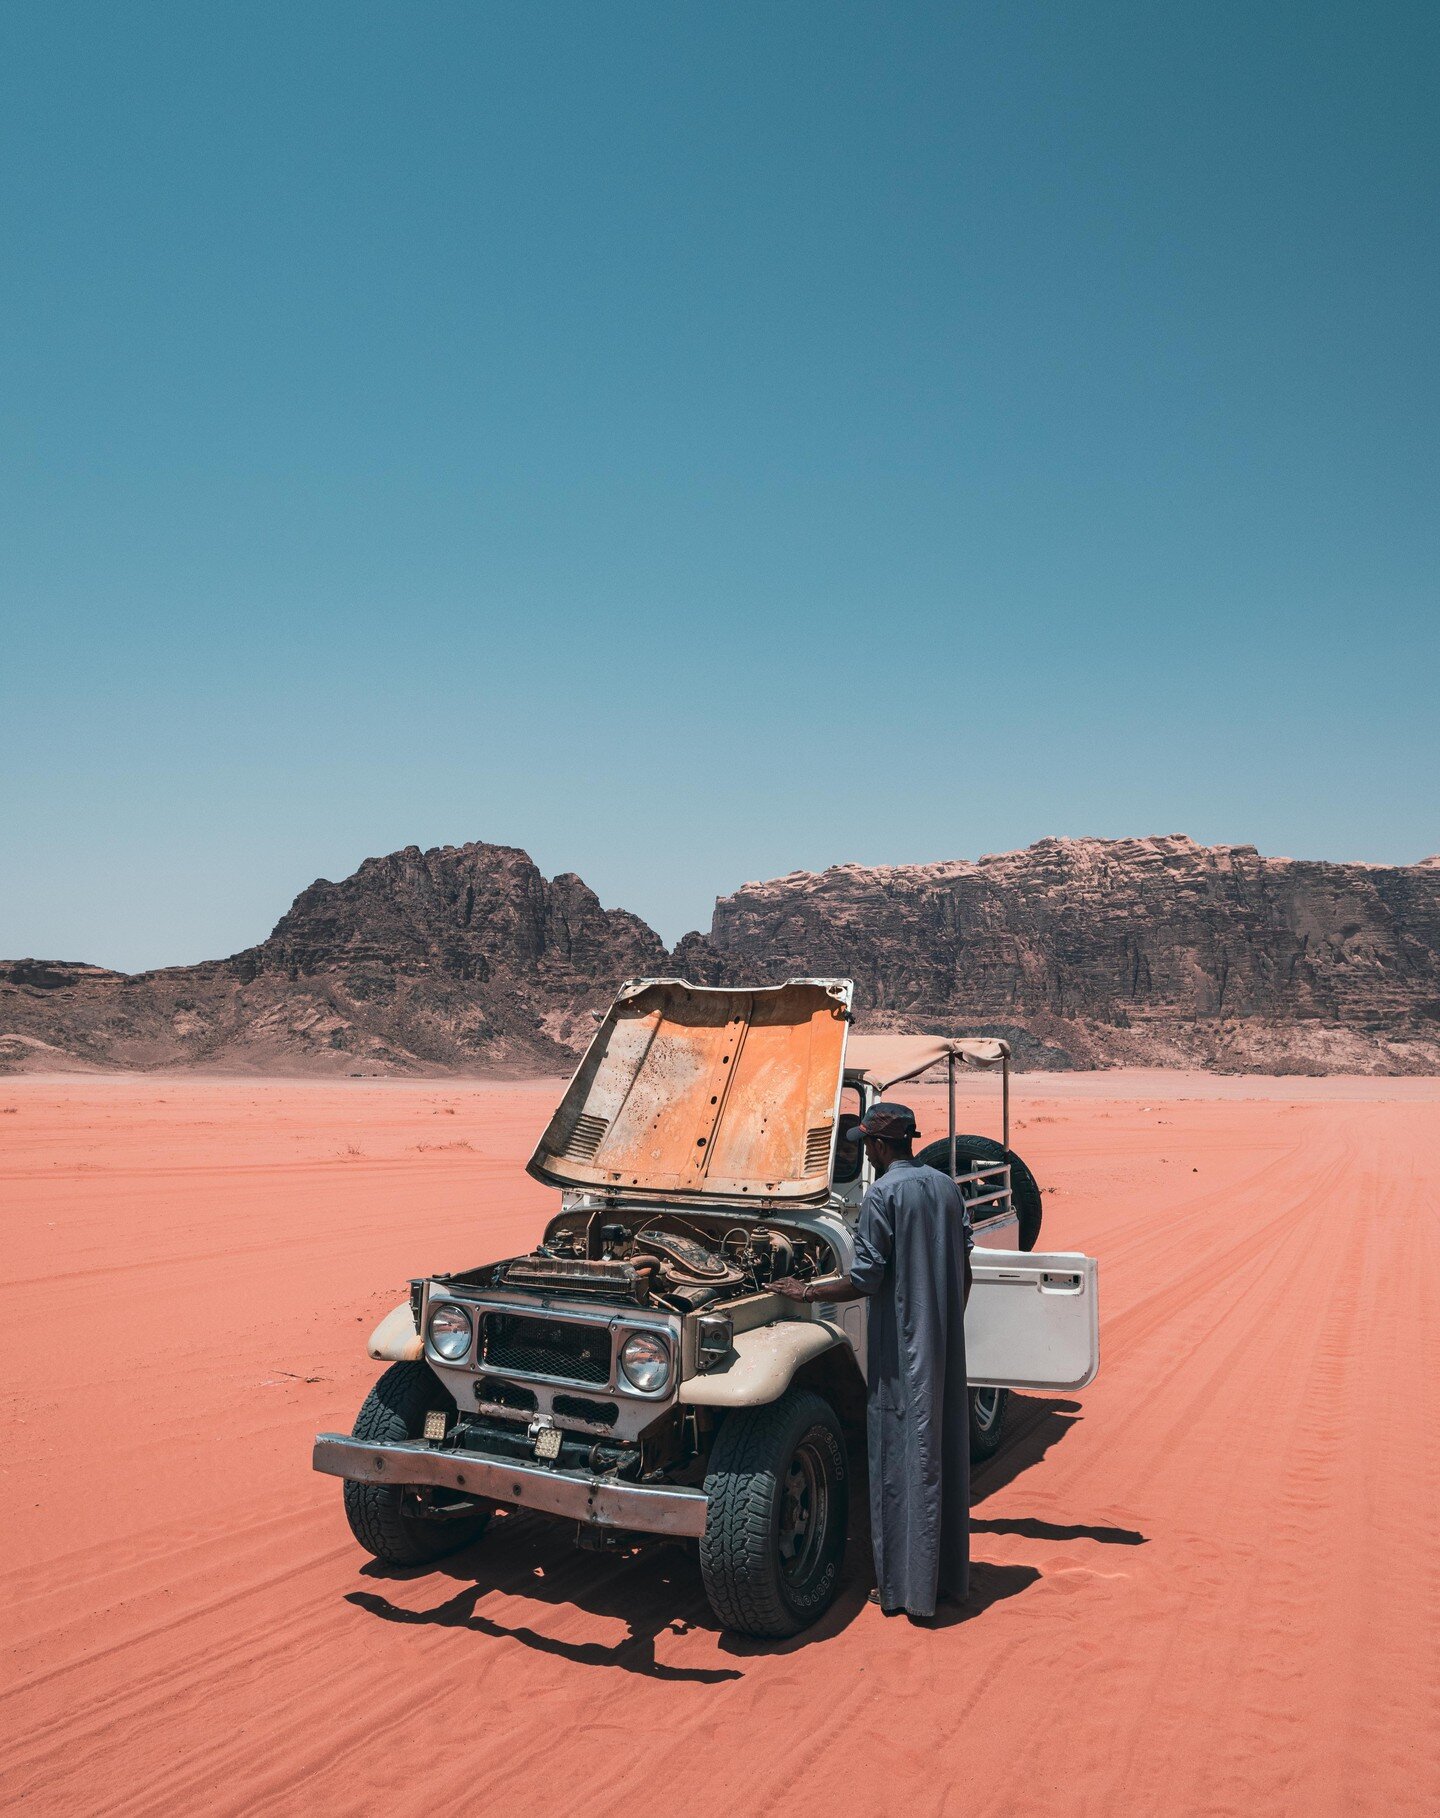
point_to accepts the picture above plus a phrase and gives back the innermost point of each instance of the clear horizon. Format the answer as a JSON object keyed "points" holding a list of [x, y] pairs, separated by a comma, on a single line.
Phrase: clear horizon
{"points": [[697, 444]]}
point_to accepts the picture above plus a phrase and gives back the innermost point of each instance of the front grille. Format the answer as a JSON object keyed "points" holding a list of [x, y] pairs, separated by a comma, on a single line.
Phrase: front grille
{"points": [[581, 1407], [545, 1347]]}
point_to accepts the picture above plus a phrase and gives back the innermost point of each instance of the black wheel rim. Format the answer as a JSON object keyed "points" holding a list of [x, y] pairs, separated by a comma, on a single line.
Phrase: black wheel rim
{"points": [[804, 1514]]}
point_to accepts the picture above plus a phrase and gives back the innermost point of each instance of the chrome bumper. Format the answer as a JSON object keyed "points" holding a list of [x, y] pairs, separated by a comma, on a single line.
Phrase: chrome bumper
{"points": [[601, 1501]]}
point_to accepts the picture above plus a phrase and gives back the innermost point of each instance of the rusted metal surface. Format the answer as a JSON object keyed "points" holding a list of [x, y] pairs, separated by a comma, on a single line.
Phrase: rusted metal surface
{"points": [[719, 1094], [597, 1501]]}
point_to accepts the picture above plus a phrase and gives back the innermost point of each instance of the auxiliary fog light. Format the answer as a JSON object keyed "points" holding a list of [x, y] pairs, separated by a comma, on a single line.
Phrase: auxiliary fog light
{"points": [[645, 1359], [449, 1331]]}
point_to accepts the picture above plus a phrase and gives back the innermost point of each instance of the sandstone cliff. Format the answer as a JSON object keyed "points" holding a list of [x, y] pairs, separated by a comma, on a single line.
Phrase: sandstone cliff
{"points": [[1103, 951], [1083, 952], [463, 958]]}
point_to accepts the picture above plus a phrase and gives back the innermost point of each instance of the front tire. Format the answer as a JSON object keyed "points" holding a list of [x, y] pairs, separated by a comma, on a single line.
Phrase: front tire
{"points": [[382, 1517], [778, 1493], [988, 1408]]}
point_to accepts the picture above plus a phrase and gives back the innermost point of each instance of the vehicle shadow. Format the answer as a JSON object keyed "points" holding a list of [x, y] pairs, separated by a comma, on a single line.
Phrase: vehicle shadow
{"points": [[1037, 1422], [654, 1589], [1034, 1423], [1031, 1529]]}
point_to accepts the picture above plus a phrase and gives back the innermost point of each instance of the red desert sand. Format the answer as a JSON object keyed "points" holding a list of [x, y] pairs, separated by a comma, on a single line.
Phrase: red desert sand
{"points": [[1209, 1583]]}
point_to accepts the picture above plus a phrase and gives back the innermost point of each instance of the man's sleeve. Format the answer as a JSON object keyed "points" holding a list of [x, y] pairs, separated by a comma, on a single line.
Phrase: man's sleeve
{"points": [[874, 1240], [959, 1203]]}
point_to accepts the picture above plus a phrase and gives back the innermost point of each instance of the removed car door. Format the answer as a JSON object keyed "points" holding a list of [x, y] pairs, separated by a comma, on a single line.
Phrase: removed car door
{"points": [[1033, 1320]]}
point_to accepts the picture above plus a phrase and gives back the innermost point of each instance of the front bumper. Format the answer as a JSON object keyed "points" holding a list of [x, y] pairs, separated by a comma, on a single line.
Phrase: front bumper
{"points": [[598, 1501]]}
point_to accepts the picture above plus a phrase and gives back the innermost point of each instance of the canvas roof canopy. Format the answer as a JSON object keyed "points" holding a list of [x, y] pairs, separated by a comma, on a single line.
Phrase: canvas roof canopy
{"points": [[885, 1060]]}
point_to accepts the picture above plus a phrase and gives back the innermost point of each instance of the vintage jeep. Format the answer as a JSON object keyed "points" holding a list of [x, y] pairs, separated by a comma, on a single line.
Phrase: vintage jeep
{"points": [[633, 1374]]}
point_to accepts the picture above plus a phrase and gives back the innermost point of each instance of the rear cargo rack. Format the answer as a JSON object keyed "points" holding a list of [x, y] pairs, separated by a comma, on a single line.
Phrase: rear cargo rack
{"points": [[989, 1187]]}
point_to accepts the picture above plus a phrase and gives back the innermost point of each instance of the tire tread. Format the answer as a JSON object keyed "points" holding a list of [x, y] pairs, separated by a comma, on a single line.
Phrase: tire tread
{"points": [[392, 1412], [742, 1486]]}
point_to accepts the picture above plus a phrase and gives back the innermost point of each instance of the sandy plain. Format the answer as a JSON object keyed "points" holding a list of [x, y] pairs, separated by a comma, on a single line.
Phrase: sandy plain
{"points": [[1208, 1584]]}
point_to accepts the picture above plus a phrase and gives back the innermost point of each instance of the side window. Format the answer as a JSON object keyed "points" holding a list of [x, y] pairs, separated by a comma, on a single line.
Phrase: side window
{"points": [[848, 1156]]}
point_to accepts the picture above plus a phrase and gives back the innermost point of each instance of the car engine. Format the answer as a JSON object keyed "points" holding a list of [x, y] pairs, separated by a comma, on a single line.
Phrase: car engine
{"points": [[664, 1259]]}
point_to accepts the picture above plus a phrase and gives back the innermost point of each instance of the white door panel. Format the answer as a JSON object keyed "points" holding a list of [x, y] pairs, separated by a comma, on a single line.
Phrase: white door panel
{"points": [[1033, 1320]]}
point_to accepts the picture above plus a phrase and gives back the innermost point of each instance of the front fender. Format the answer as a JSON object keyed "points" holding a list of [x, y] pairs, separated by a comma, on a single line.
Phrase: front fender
{"points": [[395, 1339], [762, 1364]]}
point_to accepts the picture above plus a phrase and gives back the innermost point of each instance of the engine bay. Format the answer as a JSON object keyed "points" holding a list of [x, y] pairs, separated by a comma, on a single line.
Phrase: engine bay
{"points": [[664, 1259]]}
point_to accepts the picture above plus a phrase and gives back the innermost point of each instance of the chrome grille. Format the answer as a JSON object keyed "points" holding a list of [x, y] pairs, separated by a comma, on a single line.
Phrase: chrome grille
{"points": [[545, 1347]]}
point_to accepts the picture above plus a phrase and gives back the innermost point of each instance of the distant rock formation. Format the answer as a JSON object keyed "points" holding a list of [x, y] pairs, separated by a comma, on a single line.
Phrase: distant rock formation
{"points": [[1083, 952], [1098, 952], [460, 959], [477, 914]]}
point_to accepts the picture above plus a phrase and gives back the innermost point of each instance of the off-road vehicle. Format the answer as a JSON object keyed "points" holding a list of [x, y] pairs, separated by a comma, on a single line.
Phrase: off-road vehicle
{"points": [[633, 1374]]}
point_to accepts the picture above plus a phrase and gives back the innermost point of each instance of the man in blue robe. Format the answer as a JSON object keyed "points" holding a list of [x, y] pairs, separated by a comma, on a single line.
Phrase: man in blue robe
{"points": [[912, 1262]]}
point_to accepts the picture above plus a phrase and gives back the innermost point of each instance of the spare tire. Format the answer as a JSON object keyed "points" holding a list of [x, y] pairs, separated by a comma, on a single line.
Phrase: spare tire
{"points": [[972, 1151]]}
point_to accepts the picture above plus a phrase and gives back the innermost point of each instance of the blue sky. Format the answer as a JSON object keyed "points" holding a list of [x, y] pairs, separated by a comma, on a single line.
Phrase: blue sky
{"points": [[696, 442]]}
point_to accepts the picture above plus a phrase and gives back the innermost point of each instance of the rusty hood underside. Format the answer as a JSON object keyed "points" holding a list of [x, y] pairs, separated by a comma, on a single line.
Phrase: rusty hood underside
{"points": [[713, 1094]]}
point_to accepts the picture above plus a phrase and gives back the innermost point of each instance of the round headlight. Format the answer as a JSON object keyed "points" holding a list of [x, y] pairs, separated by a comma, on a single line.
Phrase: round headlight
{"points": [[645, 1360], [450, 1331]]}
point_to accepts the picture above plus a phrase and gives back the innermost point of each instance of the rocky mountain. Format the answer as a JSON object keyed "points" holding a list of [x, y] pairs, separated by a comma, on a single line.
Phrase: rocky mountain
{"points": [[463, 959], [1096, 952], [1083, 952]]}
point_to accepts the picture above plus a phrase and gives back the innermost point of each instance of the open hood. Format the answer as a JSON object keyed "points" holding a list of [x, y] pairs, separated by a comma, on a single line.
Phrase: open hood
{"points": [[713, 1094]]}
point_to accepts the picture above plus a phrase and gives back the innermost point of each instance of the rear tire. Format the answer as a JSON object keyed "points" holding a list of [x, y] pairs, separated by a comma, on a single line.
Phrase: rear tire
{"points": [[778, 1492], [381, 1516], [984, 1150], [988, 1408]]}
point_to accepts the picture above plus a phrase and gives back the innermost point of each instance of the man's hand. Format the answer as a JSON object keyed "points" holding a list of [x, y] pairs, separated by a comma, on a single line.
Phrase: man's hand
{"points": [[821, 1287]]}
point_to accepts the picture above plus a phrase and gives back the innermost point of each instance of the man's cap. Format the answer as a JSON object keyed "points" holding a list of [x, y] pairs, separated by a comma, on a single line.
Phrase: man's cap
{"points": [[891, 1123]]}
